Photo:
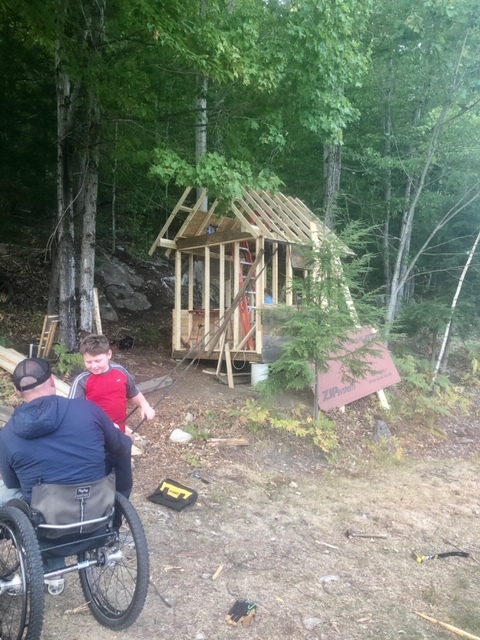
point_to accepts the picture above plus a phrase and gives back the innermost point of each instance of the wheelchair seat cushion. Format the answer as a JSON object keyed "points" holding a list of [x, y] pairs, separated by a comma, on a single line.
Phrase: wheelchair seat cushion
{"points": [[57, 505]]}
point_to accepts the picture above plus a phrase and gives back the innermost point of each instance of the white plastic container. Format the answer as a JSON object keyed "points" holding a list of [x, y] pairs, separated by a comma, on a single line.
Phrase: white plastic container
{"points": [[259, 373]]}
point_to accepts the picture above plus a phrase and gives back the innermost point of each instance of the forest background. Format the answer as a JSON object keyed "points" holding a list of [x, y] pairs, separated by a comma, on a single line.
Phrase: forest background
{"points": [[366, 111]]}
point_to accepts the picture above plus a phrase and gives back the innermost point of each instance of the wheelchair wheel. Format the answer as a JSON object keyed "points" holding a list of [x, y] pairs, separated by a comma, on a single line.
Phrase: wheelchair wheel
{"points": [[21, 578], [116, 587]]}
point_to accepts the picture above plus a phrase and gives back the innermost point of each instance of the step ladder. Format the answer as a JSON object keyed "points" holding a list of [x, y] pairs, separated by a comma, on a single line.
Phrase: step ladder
{"points": [[248, 302]]}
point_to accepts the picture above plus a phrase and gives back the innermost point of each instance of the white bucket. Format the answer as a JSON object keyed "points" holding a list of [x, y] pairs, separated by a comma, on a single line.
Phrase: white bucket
{"points": [[259, 373]]}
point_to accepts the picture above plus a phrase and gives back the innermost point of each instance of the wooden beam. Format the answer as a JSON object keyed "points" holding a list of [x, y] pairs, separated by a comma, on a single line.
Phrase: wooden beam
{"points": [[288, 276], [269, 216], [228, 360], [167, 244], [256, 220], [222, 282], [190, 291], [296, 223], [260, 294], [178, 299], [206, 290], [275, 273], [169, 220], [212, 239]]}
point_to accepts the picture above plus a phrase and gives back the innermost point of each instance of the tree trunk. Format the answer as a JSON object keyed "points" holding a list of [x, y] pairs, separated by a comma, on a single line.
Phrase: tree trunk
{"points": [[201, 119], [332, 162], [387, 266], [65, 254], [454, 304], [87, 271], [402, 267], [94, 36]]}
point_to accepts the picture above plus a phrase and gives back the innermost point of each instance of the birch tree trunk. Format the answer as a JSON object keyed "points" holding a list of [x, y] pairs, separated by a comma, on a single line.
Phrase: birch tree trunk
{"points": [[402, 269], [94, 36], [387, 267], [453, 306], [201, 119]]}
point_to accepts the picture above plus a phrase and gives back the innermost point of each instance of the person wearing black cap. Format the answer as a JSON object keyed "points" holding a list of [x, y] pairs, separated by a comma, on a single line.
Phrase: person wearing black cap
{"points": [[55, 440]]}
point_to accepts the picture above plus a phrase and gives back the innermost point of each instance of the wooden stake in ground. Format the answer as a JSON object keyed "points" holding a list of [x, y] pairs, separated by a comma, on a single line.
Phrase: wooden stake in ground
{"points": [[459, 632]]}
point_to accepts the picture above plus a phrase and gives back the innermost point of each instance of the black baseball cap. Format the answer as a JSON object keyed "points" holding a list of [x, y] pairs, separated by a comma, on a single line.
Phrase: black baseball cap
{"points": [[30, 373]]}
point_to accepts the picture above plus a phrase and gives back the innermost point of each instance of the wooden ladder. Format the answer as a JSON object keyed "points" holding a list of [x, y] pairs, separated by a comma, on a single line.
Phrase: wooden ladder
{"points": [[248, 301]]}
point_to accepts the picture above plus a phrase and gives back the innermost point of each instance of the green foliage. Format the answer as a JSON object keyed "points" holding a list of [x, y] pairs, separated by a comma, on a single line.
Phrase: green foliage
{"points": [[321, 326], [6, 389], [321, 431], [67, 361], [221, 177], [197, 433], [192, 460], [415, 398]]}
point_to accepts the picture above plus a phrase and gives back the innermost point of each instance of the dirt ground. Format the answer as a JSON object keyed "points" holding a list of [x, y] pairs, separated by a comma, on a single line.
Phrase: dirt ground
{"points": [[271, 524]]}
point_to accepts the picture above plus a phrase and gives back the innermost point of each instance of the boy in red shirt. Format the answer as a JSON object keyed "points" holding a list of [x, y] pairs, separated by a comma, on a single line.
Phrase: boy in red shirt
{"points": [[107, 383]]}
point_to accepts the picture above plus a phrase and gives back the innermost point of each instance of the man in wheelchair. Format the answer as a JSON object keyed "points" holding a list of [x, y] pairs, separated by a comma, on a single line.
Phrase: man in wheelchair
{"points": [[73, 468]]}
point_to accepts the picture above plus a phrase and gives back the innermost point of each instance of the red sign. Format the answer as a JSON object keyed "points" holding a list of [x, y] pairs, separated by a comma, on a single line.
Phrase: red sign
{"points": [[334, 393]]}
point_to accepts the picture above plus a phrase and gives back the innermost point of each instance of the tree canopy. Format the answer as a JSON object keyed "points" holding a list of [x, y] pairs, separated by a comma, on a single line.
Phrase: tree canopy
{"points": [[272, 84]]}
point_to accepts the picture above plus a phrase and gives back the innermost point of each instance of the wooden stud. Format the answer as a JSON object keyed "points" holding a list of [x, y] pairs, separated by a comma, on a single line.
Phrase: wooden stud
{"points": [[259, 288], [212, 239], [236, 286], [206, 290], [288, 276], [228, 361], [275, 273], [178, 299]]}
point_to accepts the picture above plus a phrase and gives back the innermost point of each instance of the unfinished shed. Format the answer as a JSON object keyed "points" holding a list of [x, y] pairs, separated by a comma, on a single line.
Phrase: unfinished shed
{"points": [[230, 269]]}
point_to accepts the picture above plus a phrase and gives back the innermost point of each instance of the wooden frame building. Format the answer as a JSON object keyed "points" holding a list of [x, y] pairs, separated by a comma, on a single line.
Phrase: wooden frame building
{"points": [[230, 269]]}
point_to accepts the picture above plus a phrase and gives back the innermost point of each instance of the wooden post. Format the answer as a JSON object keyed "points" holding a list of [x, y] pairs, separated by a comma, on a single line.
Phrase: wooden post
{"points": [[229, 366], [275, 273], [260, 289], [178, 300], [206, 289], [222, 282], [236, 285], [191, 276], [288, 276]]}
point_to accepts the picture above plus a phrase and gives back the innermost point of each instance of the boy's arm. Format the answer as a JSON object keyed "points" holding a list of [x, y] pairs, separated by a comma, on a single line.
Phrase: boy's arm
{"points": [[77, 390], [141, 402]]}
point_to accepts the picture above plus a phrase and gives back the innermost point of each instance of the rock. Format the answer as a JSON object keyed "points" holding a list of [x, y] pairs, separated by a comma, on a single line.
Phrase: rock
{"points": [[121, 283], [381, 431], [180, 436], [311, 623]]}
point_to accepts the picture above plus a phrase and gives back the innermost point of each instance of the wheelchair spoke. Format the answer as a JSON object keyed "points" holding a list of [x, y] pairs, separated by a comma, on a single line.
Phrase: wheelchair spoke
{"points": [[21, 607], [117, 586]]}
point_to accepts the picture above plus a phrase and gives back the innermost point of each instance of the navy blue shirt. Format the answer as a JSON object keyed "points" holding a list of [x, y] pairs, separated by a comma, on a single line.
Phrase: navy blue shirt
{"points": [[55, 440]]}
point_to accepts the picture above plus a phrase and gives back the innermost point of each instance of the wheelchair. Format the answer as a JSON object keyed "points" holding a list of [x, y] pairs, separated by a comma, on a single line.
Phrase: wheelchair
{"points": [[109, 551]]}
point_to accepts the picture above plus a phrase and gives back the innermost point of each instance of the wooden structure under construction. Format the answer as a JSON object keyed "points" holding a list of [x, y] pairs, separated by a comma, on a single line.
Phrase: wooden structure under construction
{"points": [[229, 270]]}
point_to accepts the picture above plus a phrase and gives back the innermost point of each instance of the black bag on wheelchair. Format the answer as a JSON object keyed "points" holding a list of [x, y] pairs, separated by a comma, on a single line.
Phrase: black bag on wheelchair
{"points": [[62, 509]]}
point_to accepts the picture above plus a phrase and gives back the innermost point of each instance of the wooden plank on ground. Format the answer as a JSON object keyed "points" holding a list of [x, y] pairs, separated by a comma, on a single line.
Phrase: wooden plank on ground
{"points": [[156, 383]]}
